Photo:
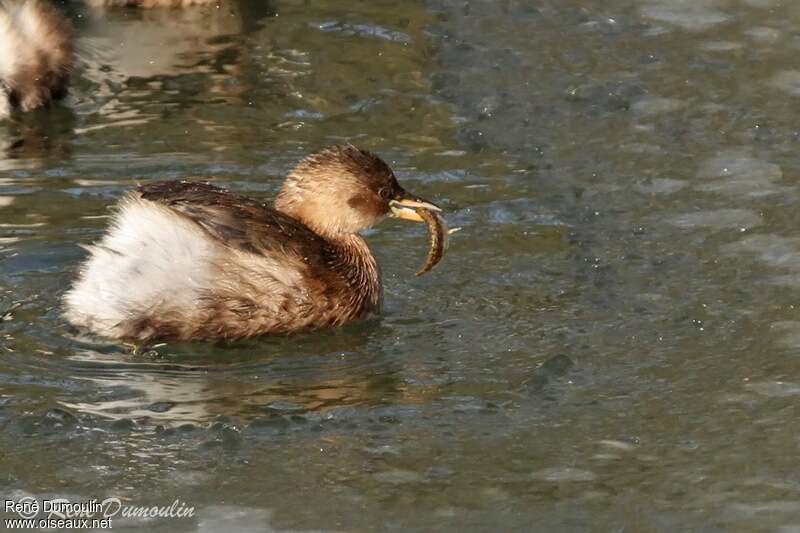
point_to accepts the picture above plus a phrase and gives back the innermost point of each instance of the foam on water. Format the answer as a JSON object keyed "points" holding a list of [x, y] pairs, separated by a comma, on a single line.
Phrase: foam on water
{"points": [[691, 15], [718, 219], [655, 105], [787, 81]]}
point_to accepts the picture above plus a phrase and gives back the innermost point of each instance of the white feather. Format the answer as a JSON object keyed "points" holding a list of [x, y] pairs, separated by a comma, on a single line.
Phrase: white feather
{"points": [[31, 26], [151, 260], [10, 43]]}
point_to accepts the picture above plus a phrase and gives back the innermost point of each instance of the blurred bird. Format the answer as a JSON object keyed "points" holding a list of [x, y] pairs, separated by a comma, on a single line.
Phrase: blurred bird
{"points": [[36, 55], [150, 3]]}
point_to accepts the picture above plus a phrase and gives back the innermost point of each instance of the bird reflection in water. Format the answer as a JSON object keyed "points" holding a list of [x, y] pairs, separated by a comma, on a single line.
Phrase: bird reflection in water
{"points": [[325, 371]]}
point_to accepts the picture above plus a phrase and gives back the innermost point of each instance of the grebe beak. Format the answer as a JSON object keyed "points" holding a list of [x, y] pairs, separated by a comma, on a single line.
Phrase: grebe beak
{"points": [[405, 206]]}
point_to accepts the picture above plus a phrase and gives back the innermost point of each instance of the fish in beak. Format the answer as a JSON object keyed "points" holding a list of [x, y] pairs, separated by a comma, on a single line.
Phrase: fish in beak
{"points": [[406, 206], [409, 207]]}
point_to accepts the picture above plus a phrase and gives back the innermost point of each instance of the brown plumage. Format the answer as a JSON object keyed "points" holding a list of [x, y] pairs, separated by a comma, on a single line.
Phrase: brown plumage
{"points": [[189, 260], [36, 55]]}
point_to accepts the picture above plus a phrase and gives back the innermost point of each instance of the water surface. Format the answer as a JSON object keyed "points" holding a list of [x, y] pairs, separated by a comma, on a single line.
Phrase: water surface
{"points": [[611, 343]]}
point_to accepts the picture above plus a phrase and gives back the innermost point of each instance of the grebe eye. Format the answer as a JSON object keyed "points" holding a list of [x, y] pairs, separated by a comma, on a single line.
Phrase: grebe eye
{"points": [[385, 192]]}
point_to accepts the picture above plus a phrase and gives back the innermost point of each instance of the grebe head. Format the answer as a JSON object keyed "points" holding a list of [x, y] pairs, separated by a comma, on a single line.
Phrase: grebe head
{"points": [[343, 190]]}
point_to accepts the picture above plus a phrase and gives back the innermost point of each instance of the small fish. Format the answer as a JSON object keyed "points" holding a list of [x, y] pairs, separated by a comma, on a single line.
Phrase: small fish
{"points": [[438, 238]]}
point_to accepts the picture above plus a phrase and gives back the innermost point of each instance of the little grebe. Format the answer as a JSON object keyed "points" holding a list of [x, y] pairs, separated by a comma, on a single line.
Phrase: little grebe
{"points": [[190, 261], [36, 55]]}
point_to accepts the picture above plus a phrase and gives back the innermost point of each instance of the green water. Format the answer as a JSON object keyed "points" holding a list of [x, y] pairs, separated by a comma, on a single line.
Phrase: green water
{"points": [[611, 343]]}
